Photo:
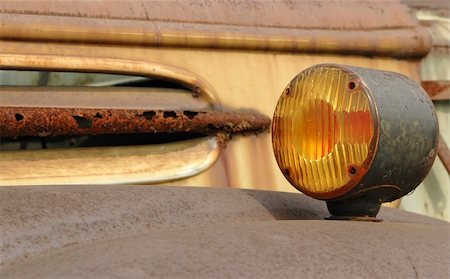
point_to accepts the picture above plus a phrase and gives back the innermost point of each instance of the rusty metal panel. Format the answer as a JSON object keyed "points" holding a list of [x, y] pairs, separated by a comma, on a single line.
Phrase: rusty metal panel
{"points": [[107, 97], [43, 122], [240, 79], [372, 28], [60, 111], [142, 232], [438, 90], [309, 14], [314, 249]]}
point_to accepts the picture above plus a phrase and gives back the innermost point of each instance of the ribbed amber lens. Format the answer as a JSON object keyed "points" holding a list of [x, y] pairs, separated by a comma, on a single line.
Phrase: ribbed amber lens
{"points": [[322, 129]]}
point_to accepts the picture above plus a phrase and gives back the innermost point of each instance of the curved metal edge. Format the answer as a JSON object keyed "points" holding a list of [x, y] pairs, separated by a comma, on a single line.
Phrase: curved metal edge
{"points": [[404, 87], [382, 42], [188, 170], [106, 166], [198, 85]]}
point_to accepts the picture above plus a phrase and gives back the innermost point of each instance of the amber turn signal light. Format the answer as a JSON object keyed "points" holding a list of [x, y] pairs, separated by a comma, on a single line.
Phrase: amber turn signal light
{"points": [[354, 137]]}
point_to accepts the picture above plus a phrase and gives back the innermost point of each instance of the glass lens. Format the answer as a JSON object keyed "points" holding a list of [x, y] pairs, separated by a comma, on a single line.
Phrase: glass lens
{"points": [[322, 129]]}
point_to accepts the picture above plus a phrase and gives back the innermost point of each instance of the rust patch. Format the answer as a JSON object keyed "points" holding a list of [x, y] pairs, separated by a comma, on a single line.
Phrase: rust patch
{"points": [[43, 122], [222, 139], [437, 90]]}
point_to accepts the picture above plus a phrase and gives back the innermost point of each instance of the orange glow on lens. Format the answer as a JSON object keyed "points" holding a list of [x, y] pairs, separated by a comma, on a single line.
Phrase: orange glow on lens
{"points": [[322, 130]]}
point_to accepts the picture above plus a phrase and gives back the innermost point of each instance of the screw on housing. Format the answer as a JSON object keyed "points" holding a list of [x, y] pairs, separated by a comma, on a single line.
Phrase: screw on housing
{"points": [[354, 137]]}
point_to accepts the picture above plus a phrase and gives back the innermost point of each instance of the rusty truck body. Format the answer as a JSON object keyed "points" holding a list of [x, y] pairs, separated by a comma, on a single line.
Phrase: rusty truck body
{"points": [[99, 100]]}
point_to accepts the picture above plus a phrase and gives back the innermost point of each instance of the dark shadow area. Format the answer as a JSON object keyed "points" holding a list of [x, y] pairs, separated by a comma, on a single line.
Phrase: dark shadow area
{"points": [[31, 143], [290, 206]]}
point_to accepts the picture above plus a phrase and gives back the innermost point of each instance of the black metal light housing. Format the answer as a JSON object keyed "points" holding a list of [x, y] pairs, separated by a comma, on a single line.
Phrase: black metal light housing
{"points": [[354, 137]]}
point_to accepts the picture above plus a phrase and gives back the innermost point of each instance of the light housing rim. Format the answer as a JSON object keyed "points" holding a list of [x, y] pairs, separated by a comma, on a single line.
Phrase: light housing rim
{"points": [[355, 179]]}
